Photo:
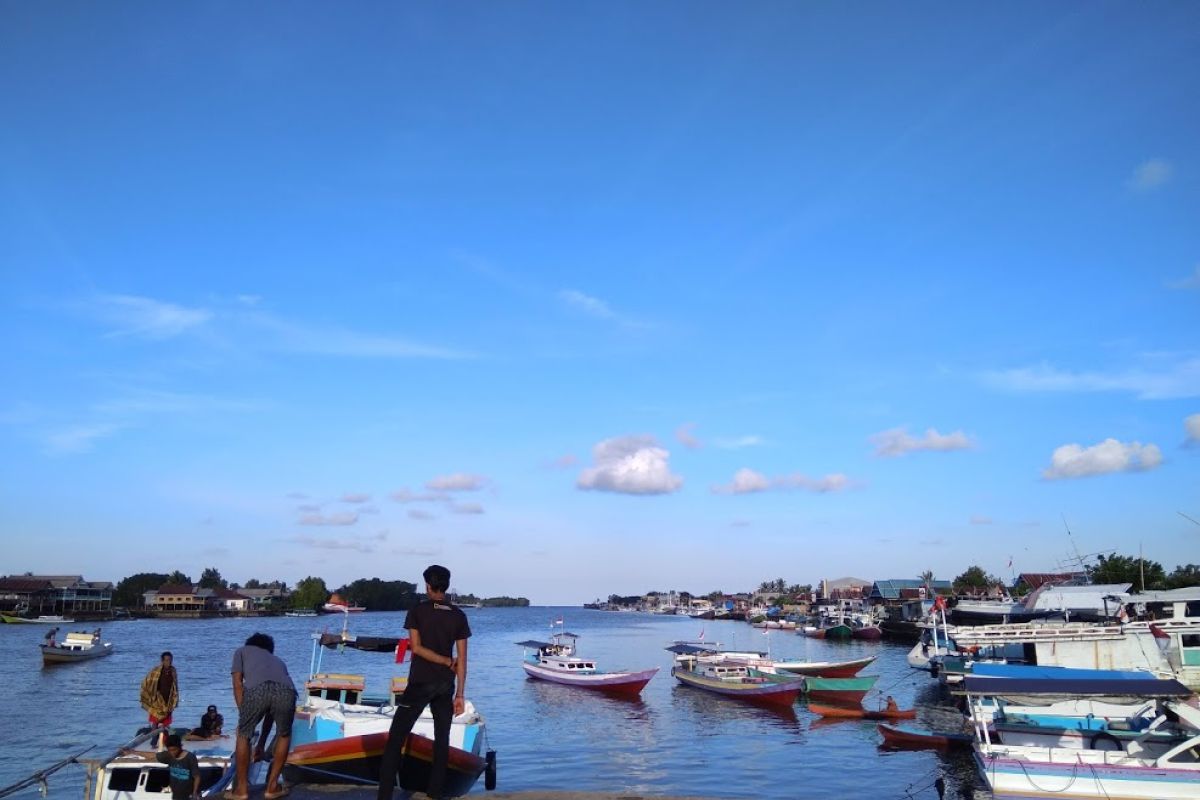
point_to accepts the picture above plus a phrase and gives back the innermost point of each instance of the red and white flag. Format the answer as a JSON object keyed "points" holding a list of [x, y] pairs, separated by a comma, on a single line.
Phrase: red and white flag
{"points": [[401, 649], [558, 621]]}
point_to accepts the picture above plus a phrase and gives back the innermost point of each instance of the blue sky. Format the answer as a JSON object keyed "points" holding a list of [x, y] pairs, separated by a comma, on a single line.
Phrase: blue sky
{"points": [[593, 298]]}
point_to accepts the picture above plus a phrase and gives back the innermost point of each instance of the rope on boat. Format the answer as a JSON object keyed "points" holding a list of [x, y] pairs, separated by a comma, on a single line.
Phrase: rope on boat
{"points": [[40, 776]]}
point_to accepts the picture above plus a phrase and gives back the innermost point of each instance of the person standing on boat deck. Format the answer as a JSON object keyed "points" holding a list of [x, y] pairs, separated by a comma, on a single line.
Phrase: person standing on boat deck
{"points": [[160, 694], [262, 687], [438, 633]]}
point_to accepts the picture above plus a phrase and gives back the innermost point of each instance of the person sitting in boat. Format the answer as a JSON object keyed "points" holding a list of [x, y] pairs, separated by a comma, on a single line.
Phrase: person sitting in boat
{"points": [[210, 725], [96, 636], [891, 704], [51, 641]]}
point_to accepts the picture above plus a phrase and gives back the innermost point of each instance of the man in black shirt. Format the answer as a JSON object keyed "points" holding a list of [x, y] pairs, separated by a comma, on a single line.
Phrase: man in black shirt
{"points": [[438, 633]]}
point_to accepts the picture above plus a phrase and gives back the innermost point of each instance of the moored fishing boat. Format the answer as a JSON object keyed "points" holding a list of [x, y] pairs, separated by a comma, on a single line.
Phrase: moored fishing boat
{"points": [[825, 669], [703, 668], [339, 733], [842, 691], [555, 661], [77, 646]]}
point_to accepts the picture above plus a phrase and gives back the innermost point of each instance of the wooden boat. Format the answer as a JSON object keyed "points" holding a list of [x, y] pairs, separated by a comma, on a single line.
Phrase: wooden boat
{"points": [[825, 669], [78, 646], [841, 691], [339, 733], [841, 712], [837, 630], [894, 736], [44, 619], [555, 661], [704, 668]]}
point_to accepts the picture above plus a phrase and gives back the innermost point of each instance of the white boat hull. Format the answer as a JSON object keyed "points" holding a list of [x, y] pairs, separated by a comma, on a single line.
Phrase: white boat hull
{"points": [[1074, 774]]}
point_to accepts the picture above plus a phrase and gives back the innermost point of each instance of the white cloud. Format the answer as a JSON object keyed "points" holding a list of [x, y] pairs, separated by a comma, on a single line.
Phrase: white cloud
{"points": [[684, 435], [404, 495], [458, 482], [745, 481], [1076, 461], [466, 508], [1162, 377], [1191, 424], [738, 443], [630, 465], [309, 508], [1190, 282], [748, 481], [564, 462], [420, 514], [345, 518], [147, 318], [1151, 174], [79, 438], [356, 497], [341, 543], [898, 441]]}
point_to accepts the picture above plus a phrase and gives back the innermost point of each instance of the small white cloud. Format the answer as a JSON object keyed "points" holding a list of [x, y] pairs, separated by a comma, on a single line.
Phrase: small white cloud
{"points": [[347, 518], [148, 318], [684, 435], [79, 438], [898, 441], [980, 519], [630, 465], [1151, 174], [308, 508], [356, 497], [1191, 426], [745, 481], [420, 515], [458, 482], [466, 508], [738, 443], [248, 299], [297, 495], [341, 543], [1075, 461], [1190, 282], [564, 462], [748, 481]]}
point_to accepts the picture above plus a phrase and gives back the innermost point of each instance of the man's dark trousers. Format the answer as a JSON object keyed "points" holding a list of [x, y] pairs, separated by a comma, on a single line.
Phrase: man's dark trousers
{"points": [[440, 699]]}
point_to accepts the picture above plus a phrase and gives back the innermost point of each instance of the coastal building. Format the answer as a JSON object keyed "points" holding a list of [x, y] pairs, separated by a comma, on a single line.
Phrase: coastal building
{"points": [[844, 589], [273, 596], [66, 595], [229, 600], [178, 597], [895, 590]]}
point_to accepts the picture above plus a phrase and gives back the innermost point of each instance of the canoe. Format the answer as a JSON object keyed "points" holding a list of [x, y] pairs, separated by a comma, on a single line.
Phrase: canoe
{"points": [[861, 713], [894, 736]]}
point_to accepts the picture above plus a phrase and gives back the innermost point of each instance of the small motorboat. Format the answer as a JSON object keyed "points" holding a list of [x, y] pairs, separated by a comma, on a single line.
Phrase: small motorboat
{"points": [[556, 662], [840, 712], [78, 646], [894, 736]]}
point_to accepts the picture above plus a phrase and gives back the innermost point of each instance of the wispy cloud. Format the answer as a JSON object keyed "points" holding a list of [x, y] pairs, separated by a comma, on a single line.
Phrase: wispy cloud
{"points": [[481, 543], [1151, 174], [345, 518], [340, 543], [566, 461], [357, 498], [1076, 461], [685, 435], [748, 481], [1161, 377], [898, 441], [420, 515], [405, 495], [457, 482], [980, 519], [633, 464], [275, 333], [466, 508], [79, 438], [595, 308], [738, 442], [1190, 282], [144, 317]]}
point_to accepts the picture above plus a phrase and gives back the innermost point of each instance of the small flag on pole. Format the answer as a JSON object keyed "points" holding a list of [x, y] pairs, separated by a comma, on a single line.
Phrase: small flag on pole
{"points": [[401, 649], [558, 621], [702, 634]]}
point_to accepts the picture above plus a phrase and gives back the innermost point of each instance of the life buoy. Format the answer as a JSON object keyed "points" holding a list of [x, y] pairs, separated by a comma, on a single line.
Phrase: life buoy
{"points": [[1105, 741]]}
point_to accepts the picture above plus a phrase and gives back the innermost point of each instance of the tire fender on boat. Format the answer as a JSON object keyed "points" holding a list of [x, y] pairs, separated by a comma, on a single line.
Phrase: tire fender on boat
{"points": [[1105, 741]]}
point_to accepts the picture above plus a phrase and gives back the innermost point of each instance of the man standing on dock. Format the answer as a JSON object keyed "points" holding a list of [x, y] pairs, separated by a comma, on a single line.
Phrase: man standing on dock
{"points": [[160, 694], [438, 633]]}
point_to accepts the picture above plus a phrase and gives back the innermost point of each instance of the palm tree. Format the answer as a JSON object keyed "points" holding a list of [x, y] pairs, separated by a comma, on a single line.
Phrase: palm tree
{"points": [[927, 579]]}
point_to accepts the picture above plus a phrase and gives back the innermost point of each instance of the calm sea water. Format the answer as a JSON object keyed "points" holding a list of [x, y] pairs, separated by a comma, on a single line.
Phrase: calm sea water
{"points": [[674, 740]]}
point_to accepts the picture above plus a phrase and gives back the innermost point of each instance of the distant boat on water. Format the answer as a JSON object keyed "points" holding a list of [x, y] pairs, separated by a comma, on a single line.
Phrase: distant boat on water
{"points": [[337, 605]]}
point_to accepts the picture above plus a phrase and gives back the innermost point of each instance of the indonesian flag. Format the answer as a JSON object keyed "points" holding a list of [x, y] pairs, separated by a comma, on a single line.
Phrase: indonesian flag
{"points": [[401, 649], [558, 621]]}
